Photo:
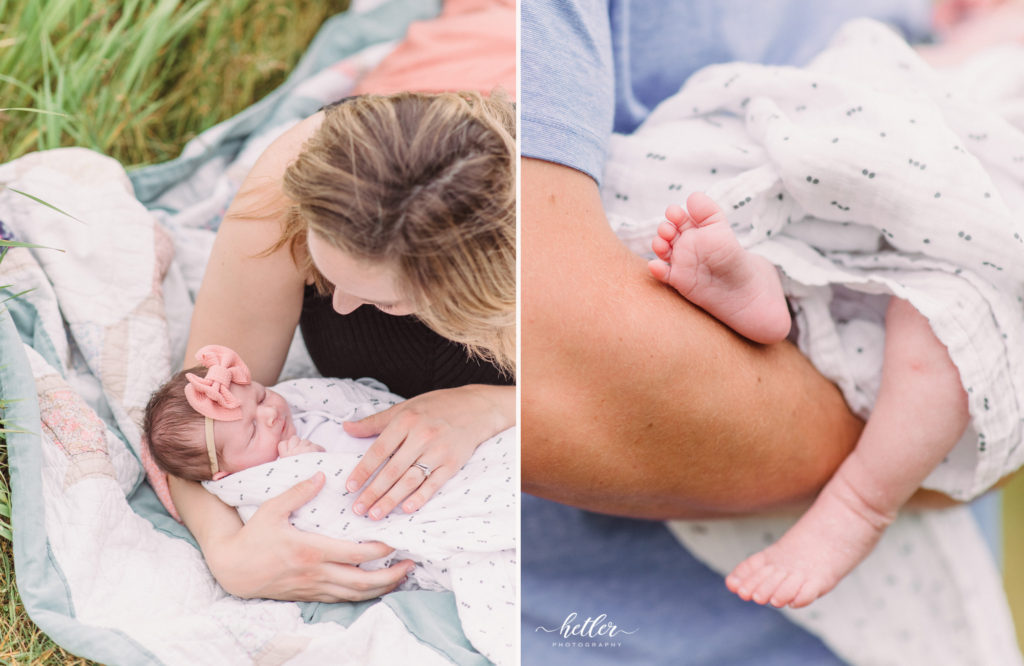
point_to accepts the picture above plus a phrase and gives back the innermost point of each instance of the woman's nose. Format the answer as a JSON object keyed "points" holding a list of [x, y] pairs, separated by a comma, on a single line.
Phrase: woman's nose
{"points": [[344, 303]]}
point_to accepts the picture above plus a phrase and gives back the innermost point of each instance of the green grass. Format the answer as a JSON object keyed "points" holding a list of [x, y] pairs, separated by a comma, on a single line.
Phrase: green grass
{"points": [[137, 79], [134, 80], [21, 642]]}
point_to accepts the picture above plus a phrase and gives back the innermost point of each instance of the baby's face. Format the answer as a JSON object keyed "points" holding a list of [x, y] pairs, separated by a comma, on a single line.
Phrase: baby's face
{"points": [[252, 440]]}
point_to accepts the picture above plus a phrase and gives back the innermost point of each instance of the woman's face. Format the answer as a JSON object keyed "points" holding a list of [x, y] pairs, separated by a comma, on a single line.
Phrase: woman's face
{"points": [[357, 282]]}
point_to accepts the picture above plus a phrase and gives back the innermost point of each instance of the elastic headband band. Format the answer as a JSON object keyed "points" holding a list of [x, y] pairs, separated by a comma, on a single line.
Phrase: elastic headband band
{"points": [[211, 449]]}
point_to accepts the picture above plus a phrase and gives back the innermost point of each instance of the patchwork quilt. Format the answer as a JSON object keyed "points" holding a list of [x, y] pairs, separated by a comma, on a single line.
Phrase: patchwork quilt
{"points": [[101, 566]]}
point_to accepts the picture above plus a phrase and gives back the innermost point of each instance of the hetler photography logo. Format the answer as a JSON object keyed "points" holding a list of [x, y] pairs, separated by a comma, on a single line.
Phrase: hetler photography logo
{"points": [[594, 632]]}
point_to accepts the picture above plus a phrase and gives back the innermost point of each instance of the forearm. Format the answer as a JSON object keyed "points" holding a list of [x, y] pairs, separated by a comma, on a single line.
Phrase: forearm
{"points": [[250, 300], [209, 519], [637, 403]]}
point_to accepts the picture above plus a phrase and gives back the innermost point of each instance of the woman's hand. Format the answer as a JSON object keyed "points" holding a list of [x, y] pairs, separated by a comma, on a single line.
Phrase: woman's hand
{"points": [[423, 442], [268, 558]]}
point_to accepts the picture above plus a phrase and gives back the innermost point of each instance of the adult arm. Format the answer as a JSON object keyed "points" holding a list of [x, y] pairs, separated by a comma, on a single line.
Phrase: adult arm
{"points": [[251, 302], [637, 403]]}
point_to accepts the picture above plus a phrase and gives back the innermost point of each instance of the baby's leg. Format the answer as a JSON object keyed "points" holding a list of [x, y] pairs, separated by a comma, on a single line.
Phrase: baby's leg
{"points": [[701, 258], [919, 415]]}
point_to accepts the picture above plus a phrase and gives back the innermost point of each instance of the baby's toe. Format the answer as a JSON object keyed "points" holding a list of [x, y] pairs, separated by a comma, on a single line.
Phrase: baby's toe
{"points": [[703, 209], [659, 269], [768, 585], [676, 214], [787, 590], [809, 591], [748, 566], [662, 248], [668, 231], [749, 584]]}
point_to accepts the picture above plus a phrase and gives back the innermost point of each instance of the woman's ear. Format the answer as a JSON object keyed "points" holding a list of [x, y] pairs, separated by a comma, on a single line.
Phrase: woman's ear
{"points": [[219, 475]]}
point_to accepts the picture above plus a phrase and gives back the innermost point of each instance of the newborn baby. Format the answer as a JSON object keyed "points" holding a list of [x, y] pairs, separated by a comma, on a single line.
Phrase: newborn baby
{"points": [[243, 440], [919, 415], [212, 420]]}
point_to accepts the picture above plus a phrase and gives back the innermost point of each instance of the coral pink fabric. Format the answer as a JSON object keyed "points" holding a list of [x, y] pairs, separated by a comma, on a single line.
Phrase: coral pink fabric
{"points": [[211, 395], [470, 46]]}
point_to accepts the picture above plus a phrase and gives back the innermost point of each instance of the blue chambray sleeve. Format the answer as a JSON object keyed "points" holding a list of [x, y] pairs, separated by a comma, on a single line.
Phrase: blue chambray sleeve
{"points": [[567, 88]]}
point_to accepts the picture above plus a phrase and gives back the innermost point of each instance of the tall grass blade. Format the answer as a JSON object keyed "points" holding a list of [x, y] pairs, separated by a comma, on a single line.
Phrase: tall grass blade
{"points": [[45, 203], [8, 243], [30, 110], [20, 293]]}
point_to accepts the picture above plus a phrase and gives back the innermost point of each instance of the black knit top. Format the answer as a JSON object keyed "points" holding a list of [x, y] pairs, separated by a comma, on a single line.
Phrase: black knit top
{"points": [[399, 351]]}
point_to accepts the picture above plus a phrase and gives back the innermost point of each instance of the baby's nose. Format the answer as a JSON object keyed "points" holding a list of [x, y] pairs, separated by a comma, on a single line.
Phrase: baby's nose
{"points": [[267, 414]]}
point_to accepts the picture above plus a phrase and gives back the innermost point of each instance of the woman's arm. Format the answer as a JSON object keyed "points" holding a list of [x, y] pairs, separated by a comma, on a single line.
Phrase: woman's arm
{"points": [[252, 304], [249, 301], [637, 403]]}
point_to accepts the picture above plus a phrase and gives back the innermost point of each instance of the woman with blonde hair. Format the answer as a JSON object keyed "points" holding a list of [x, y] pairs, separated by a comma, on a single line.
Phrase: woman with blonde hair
{"points": [[383, 227]]}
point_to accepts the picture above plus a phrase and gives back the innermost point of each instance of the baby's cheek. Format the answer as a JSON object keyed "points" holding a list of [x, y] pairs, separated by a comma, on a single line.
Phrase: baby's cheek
{"points": [[270, 453]]}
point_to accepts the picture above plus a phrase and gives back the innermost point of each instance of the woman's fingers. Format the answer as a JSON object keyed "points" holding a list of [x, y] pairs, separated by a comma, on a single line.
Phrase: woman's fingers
{"points": [[331, 582], [290, 500], [442, 427], [347, 583], [393, 472], [373, 424], [375, 456], [413, 479], [430, 485], [347, 552]]}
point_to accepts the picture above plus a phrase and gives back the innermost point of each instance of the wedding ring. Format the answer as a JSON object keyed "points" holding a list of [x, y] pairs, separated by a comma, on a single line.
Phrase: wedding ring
{"points": [[424, 468]]}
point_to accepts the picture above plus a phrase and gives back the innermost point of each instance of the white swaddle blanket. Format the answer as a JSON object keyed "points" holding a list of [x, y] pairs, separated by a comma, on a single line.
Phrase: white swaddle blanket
{"points": [[463, 539], [864, 174], [865, 169]]}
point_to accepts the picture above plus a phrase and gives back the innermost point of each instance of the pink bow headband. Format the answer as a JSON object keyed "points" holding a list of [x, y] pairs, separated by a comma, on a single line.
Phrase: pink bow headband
{"points": [[211, 395]]}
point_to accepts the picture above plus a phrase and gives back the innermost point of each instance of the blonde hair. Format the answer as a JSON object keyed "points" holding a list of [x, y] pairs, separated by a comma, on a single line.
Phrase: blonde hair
{"points": [[424, 183]]}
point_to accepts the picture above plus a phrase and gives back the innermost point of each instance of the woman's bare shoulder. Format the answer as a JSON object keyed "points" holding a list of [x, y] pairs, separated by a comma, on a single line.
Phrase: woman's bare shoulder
{"points": [[251, 294], [285, 148]]}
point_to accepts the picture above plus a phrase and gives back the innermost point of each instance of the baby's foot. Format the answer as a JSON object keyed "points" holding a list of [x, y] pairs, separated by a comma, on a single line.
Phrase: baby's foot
{"points": [[828, 541], [701, 258]]}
